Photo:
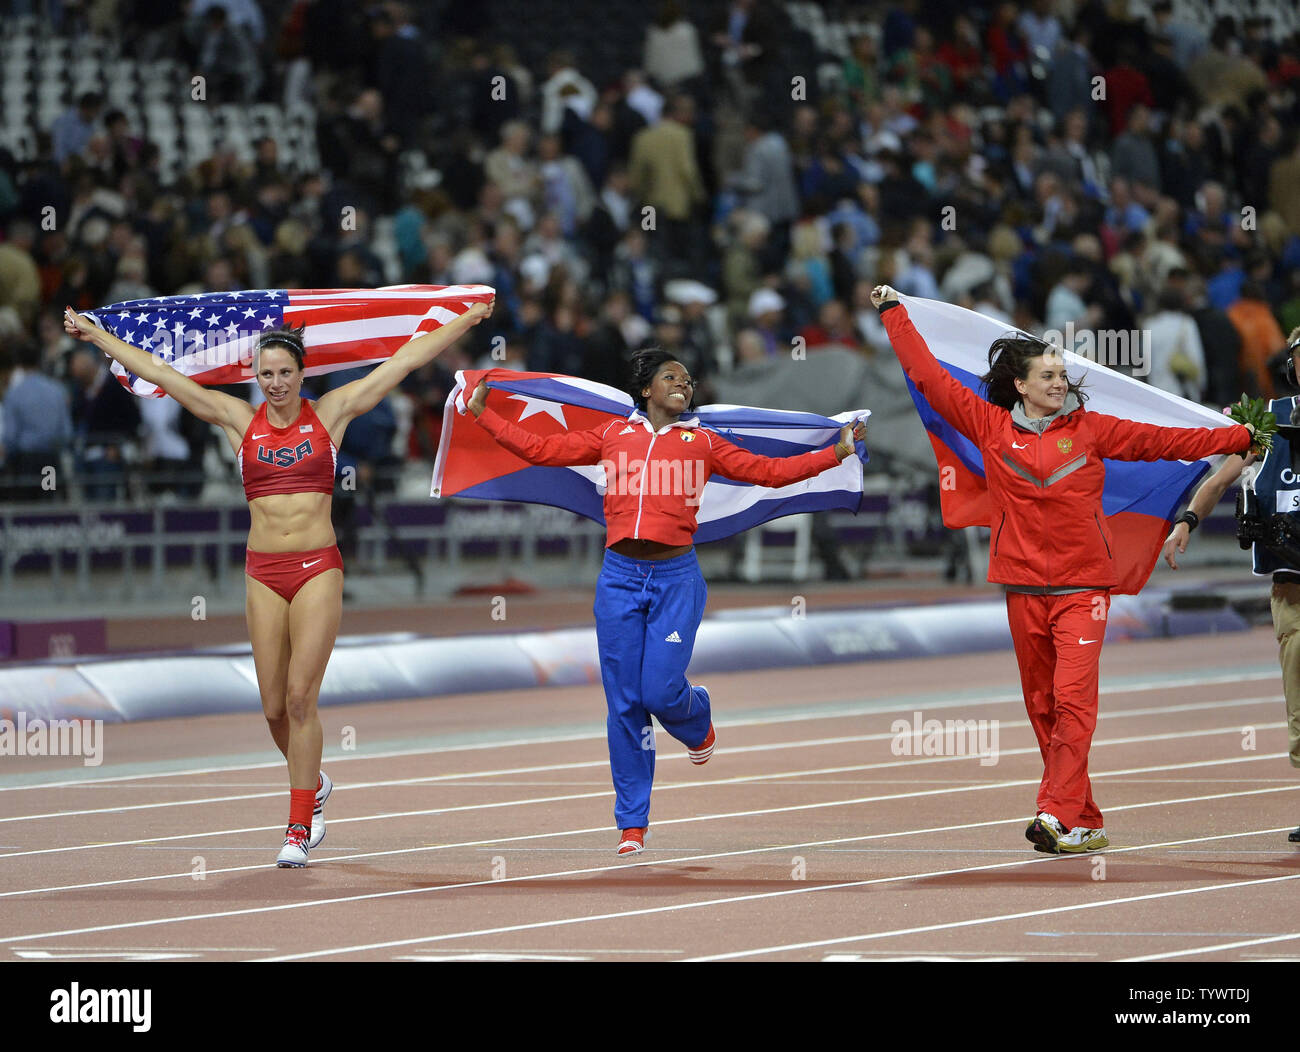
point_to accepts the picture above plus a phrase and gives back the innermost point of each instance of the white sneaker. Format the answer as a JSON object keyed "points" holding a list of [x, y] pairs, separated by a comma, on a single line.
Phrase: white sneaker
{"points": [[318, 813], [294, 853], [1080, 839], [1045, 833]]}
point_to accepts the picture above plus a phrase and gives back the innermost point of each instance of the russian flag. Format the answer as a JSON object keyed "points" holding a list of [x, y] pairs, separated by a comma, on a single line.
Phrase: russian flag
{"points": [[1140, 497], [471, 464]]}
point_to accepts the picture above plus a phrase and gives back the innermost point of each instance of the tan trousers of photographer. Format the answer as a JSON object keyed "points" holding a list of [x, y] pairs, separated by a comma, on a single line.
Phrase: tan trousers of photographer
{"points": [[1285, 603]]}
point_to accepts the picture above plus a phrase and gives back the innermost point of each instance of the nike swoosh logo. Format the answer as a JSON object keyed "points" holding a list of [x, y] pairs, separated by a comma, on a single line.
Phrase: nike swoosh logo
{"points": [[1084, 642], [308, 566], [1015, 445], [262, 436]]}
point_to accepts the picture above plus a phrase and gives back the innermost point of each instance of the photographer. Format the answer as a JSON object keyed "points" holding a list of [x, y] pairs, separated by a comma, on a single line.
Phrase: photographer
{"points": [[1276, 492]]}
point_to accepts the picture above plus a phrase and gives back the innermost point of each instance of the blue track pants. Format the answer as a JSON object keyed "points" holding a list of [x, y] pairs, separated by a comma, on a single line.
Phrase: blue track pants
{"points": [[647, 614]]}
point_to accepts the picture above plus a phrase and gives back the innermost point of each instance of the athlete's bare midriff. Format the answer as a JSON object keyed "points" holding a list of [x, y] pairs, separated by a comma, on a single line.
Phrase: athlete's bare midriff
{"points": [[641, 549], [290, 522]]}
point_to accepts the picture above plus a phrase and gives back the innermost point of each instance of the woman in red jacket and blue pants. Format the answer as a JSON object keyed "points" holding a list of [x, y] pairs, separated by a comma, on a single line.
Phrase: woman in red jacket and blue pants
{"points": [[650, 595], [1050, 547]]}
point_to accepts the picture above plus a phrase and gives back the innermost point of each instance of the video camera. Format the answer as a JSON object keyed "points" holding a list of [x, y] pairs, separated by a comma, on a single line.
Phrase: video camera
{"points": [[1279, 532]]}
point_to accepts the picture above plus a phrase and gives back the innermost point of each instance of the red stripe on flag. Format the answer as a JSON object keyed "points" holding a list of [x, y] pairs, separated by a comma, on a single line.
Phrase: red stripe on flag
{"points": [[1138, 542], [963, 495], [473, 456]]}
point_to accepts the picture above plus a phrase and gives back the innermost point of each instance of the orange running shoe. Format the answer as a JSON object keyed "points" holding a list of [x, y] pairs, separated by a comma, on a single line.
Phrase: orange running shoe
{"points": [[701, 753], [631, 842]]}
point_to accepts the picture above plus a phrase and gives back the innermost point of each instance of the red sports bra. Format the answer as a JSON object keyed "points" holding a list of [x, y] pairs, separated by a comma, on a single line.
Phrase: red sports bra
{"points": [[300, 458]]}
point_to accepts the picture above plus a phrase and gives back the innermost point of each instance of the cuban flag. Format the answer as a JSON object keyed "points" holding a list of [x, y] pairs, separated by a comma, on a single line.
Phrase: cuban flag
{"points": [[471, 464], [1140, 497], [210, 337]]}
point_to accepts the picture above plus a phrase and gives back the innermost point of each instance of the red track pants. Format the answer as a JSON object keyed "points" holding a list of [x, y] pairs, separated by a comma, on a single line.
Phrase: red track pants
{"points": [[1058, 641]]}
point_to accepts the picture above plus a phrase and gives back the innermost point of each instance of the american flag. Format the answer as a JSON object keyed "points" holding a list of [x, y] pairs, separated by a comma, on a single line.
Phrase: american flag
{"points": [[210, 337]]}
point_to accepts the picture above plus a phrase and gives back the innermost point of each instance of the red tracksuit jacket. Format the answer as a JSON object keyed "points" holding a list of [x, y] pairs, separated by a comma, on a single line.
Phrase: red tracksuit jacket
{"points": [[1045, 490], [654, 480]]}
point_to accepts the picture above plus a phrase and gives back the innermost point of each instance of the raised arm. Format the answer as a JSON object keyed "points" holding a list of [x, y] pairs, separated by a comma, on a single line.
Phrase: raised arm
{"points": [[338, 407], [214, 407], [973, 416], [569, 449]]}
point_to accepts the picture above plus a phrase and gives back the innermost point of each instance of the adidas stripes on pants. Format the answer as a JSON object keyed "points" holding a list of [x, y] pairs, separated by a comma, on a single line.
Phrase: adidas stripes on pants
{"points": [[1058, 640], [647, 613]]}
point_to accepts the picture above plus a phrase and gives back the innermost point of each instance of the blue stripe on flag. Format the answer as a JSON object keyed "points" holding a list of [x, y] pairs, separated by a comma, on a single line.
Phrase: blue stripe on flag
{"points": [[765, 510], [557, 487], [1149, 487], [962, 447]]}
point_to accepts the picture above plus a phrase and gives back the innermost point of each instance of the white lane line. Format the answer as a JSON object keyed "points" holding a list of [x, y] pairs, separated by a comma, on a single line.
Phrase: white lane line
{"points": [[121, 955], [732, 899], [717, 783], [1214, 949], [168, 949], [976, 921], [948, 955], [497, 842], [842, 710], [584, 764], [649, 862]]}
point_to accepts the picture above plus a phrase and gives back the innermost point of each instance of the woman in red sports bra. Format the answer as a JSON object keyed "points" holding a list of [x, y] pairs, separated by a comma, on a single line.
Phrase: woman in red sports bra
{"points": [[287, 449]]}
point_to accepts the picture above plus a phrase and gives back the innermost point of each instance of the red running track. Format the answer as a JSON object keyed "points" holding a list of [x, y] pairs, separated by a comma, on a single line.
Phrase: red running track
{"points": [[480, 826]]}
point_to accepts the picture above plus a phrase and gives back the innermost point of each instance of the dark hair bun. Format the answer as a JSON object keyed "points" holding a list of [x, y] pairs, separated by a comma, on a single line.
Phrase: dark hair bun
{"points": [[645, 364]]}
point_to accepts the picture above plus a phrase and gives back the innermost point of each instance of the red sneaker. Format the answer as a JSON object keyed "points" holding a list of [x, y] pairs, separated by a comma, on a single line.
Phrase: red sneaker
{"points": [[631, 841], [701, 753]]}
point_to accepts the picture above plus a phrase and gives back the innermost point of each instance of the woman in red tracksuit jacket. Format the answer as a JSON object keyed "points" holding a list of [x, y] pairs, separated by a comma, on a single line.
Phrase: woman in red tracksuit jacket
{"points": [[650, 594], [1043, 461]]}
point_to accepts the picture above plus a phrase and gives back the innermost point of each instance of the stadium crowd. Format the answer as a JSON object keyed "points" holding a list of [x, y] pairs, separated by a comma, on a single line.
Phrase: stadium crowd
{"points": [[711, 183]]}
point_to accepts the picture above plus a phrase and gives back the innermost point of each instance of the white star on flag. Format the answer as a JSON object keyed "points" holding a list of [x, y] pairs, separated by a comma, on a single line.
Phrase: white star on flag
{"points": [[533, 406]]}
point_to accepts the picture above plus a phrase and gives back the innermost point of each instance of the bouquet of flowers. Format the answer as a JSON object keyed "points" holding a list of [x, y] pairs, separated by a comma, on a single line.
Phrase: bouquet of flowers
{"points": [[1254, 413]]}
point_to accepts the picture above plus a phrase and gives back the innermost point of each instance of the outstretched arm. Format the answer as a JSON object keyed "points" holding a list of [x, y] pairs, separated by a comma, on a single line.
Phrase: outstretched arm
{"points": [[1207, 495], [1119, 439], [211, 406], [338, 407], [568, 449], [732, 462]]}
